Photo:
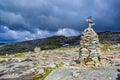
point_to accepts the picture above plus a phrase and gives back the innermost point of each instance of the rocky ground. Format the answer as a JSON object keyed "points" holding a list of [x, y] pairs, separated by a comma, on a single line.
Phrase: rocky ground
{"points": [[37, 65]]}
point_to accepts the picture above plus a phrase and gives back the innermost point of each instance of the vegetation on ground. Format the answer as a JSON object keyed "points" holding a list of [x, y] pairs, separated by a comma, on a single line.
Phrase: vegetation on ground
{"points": [[3, 56], [47, 71], [108, 47], [19, 55], [105, 47]]}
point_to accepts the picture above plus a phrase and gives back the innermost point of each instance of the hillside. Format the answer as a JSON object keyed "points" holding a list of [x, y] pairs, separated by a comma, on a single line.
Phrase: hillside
{"points": [[109, 37], [56, 42]]}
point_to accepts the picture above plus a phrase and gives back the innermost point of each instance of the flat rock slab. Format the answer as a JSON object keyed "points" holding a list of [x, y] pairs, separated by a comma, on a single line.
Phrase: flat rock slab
{"points": [[66, 73], [24, 77]]}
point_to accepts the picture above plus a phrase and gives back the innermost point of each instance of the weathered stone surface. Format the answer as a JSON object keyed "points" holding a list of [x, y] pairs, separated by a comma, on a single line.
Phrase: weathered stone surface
{"points": [[77, 73], [89, 47]]}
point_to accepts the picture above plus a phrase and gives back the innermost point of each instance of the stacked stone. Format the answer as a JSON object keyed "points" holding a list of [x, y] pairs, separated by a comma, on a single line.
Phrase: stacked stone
{"points": [[89, 47]]}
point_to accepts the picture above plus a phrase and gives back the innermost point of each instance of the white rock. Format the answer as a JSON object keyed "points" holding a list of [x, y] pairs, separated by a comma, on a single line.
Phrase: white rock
{"points": [[41, 71], [76, 74]]}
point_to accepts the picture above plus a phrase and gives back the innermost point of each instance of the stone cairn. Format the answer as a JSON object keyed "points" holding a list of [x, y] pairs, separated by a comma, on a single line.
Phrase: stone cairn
{"points": [[90, 53]]}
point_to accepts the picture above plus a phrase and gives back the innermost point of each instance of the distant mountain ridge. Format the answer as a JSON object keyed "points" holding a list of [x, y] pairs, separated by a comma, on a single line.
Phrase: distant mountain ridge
{"points": [[109, 37], [56, 42]]}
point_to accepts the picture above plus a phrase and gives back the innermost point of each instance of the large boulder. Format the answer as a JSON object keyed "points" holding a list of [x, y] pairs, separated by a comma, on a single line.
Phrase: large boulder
{"points": [[77, 73]]}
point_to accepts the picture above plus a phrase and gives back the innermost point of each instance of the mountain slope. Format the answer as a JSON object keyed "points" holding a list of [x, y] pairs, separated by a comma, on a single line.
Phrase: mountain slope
{"points": [[109, 37], [56, 42]]}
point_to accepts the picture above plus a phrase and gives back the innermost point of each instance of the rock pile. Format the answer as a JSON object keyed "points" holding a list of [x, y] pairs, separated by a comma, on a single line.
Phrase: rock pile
{"points": [[90, 53], [89, 48]]}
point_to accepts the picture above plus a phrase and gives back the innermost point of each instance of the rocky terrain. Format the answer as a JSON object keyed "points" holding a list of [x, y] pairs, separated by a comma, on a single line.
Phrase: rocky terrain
{"points": [[56, 42], [57, 63], [62, 58]]}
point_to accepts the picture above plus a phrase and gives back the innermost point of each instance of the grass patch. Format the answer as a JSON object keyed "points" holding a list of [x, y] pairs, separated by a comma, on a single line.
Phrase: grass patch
{"points": [[19, 55], [77, 51], [3, 56], [65, 48], [44, 75], [59, 64], [116, 48], [105, 47]]}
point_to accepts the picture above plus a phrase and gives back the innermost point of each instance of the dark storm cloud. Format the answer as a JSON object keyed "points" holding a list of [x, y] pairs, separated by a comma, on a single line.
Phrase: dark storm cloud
{"points": [[8, 35], [55, 16]]}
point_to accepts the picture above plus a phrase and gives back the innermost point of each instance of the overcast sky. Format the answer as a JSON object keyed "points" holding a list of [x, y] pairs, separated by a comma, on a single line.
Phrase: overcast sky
{"points": [[33, 19]]}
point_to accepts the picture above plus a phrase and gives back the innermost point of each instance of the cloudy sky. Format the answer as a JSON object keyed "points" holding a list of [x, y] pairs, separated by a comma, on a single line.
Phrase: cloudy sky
{"points": [[32, 19]]}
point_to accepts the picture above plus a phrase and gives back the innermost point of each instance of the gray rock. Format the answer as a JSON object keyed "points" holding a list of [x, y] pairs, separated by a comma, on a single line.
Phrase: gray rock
{"points": [[66, 73]]}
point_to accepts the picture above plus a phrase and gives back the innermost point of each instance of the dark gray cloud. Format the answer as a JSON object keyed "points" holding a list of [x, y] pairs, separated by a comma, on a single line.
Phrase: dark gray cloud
{"points": [[28, 17], [8, 35]]}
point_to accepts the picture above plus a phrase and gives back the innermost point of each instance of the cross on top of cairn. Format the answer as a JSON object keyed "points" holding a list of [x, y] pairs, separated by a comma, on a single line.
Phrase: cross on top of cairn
{"points": [[90, 22]]}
